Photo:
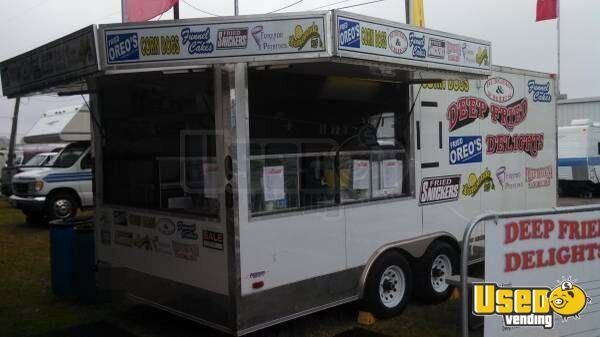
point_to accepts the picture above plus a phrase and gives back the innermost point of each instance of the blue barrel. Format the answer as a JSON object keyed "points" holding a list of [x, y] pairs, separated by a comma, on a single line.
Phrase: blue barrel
{"points": [[62, 252], [85, 263]]}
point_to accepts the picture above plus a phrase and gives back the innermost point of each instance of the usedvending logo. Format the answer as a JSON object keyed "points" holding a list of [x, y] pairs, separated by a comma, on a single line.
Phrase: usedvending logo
{"points": [[437, 48], [541, 92], [465, 111], [530, 143], [510, 116], [417, 43], [436, 190], [509, 180], [475, 183], [197, 42], [529, 306], [212, 240], [166, 226], [187, 231], [349, 33], [454, 51], [301, 37], [122, 47], [499, 89], [397, 42], [539, 177], [232, 38], [465, 150]]}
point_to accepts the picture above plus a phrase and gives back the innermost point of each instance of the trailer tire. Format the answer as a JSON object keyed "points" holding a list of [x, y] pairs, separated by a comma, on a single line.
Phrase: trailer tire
{"points": [[389, 285], [440, 260]]}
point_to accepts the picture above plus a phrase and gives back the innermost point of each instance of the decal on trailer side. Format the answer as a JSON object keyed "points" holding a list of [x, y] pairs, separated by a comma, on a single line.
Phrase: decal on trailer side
{"points": [[499, 89], [541, 92], [435, 190], [465, 111], [465, 150], [511, 115], [475, 183], [509, 180], [530, 143], [539, 177]]}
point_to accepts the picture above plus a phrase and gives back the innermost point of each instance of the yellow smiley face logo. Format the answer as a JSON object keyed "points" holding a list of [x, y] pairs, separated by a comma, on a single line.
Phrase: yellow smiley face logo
{"points": [[568, 300]]}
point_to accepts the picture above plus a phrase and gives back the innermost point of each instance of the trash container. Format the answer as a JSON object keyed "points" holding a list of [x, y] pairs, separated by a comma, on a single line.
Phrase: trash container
{"points": [[62, 251], [73, 263], [85, 262]]}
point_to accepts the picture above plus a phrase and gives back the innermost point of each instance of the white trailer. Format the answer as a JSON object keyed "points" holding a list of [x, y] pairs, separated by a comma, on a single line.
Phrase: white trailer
{"points": [[579, 157], [254, 169]]}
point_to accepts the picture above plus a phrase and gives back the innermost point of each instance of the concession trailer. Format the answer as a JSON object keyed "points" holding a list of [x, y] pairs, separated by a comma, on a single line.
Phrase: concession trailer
{"points": [[254, 169]]}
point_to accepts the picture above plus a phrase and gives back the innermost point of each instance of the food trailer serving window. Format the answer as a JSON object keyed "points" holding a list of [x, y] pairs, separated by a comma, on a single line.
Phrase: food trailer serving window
{"points": [[319, 140], [159, 144]]}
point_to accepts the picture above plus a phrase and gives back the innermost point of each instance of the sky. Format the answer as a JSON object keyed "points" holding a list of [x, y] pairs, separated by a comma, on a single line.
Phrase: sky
{"points": [[517, 40]]}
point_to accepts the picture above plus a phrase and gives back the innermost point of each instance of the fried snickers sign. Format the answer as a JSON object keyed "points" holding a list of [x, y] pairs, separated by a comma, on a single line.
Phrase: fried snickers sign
{"points": [[435, 190]]}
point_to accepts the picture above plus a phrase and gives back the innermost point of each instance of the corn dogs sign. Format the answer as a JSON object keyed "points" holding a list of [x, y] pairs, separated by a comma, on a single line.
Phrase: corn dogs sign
{"points": [[541, 271]]}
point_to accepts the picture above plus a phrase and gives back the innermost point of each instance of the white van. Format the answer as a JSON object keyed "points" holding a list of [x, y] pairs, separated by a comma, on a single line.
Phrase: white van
{"points": [[57, 191]]}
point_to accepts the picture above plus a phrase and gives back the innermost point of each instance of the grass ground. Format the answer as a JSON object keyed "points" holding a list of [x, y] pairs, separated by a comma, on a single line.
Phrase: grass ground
{"points": [[28, 307]]}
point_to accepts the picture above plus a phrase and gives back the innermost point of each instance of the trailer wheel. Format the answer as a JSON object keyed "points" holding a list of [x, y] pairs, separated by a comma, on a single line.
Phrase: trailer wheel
{"points": [[440, 260], [389, 285], [62, 206]]}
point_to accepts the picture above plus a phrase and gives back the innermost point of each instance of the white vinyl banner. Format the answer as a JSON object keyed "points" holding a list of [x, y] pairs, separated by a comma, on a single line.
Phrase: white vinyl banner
{"points": [[369, 37], [542, 276], [156, 43]]}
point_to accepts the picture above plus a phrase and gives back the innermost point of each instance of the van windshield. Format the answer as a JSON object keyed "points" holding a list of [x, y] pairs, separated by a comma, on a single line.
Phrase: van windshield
{"points": [[69, 155]]}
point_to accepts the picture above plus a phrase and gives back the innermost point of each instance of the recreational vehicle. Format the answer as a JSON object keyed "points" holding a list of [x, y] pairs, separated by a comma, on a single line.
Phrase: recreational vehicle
{"points": [[254, 169], [579, 158]]}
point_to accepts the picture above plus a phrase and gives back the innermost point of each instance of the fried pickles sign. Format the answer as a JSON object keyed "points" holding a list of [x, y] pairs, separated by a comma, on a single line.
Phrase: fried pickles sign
{"points": [[541, 270]]}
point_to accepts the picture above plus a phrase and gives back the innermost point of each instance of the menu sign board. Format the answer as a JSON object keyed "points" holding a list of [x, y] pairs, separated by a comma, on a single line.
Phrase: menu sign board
{"points": [[215, 41], [59, 62], [360, 35]]}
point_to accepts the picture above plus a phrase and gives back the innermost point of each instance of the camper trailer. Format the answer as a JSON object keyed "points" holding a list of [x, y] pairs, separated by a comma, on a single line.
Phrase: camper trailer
{"points": [[579, 158], [251, 170]]}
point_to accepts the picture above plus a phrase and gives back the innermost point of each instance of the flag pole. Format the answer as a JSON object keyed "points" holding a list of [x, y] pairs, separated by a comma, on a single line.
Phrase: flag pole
{"points": [[123, 11], [558, 47], [176, 11]]}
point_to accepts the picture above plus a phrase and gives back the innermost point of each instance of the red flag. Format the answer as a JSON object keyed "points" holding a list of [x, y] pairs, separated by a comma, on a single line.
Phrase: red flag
{"points": [[547, 10], [144, 10]]}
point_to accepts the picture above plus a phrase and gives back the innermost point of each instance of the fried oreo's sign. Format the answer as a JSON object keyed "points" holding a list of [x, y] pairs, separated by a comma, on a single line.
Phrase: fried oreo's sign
{"points": [[436, 190], [530, 143], [465, 111]]}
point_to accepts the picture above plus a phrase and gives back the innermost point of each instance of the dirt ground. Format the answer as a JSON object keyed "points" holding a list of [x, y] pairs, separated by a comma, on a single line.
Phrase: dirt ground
{"points": [[28, 307]]}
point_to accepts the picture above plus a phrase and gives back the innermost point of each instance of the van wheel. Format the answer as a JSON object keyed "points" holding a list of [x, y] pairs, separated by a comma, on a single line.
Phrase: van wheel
{"points": [[440, 260], [62, 206], [389, 285]]}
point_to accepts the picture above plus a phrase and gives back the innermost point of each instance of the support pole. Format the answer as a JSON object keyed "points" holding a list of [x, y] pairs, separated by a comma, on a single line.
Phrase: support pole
{"points": [[408, 8], [236, 8], [13, 134], [176, 11]]}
